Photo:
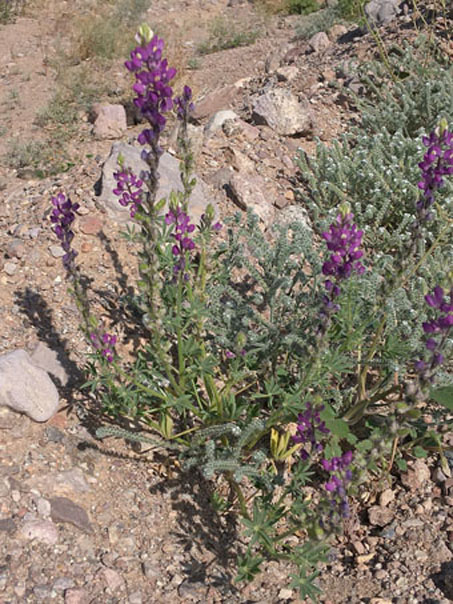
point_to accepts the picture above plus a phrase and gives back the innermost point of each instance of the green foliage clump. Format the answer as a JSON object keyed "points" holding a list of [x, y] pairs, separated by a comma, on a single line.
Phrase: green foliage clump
{"points": [[351, 9], [302, 7], [321, 20], [225, 34]]}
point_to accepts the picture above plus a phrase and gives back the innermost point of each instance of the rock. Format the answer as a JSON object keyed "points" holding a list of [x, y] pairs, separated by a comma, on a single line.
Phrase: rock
{"points": [[10, 268], [295, 213], [64, 510], [336, 31], [416, 477], [281, 111], [217, 120], [170, 180], [217, 100], [47, 359], [288, 73], [16, 249], [63, 583], [110, 121], [386, 497], [76, 596], [192, 591], [319, 42], [380, 516], [248, 192], [57, 251], [135, 598], [7, 525], [90, 224], [113, 579], [44, 531], [380, 12], [26, 388], [64, 483]]}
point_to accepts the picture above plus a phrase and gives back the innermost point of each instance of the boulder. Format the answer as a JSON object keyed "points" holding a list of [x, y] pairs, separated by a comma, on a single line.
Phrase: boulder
{"points": [[26, 388], [109, 121], [169, 181], [381, 12], [283, 112], [319, 42]]}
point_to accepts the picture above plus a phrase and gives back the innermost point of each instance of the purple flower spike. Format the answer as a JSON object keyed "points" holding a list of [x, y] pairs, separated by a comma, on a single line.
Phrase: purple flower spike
{"points": [[343, 239], [440, 326], [62, 217], [129, 190], [336, 486], [183, 243], [309, 425], [184, 105], [152, 79], [437, 163], [105, 343]]}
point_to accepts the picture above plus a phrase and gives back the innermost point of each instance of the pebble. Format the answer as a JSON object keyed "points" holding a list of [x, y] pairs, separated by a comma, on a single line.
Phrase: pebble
{"points": [[76, 596], [380, 516], [10, 268], [57, 251], [65, 510], [386, 497], [44, 531]]}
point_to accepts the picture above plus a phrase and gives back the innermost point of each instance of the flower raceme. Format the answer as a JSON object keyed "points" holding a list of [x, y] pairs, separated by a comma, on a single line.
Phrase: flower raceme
{"points": [[62, 217], [181, 233], [105, 343], [152, 79], [129, 189], [343, 239], [340, 476], [437, 163], [308, 423]]}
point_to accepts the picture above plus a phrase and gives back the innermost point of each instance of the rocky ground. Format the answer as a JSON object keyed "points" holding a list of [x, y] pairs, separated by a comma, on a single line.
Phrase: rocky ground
{"points": [[89, 522]]}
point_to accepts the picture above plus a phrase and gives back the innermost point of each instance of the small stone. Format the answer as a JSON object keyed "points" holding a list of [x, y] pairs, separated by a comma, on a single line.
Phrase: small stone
{"points": [[76, 596], [113, 579], [380, 516], [359, 547], [386, 497], [287, 73], [16, 249], [365, 558], [57, 251], [151, 570], [10, 268], [319, 42], [63, 583], [217, 120], [43, 507], [281, 110], [65, 510], [7, 525], [86, 247], [417, 476], [285, 594], [336, 31], [41, 530]]}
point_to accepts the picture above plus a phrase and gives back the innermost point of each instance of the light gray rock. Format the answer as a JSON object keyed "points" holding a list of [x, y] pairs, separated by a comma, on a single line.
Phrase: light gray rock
{"points": [[26, 388], [44, 531], [217, 121], [249, 192], [110, 121], [283, 112], [169, 181], [380, 12], [76, 596], [287, 73], [319, 42], [45, 358]]}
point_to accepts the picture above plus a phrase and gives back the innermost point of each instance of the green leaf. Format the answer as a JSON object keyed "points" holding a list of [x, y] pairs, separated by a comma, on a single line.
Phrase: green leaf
{"points": [[419, 451], [338, 427], [402, 464], [443, 396]]}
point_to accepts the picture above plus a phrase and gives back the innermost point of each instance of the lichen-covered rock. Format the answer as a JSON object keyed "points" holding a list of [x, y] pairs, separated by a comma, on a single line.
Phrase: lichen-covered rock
{"points": [[283, 112]]}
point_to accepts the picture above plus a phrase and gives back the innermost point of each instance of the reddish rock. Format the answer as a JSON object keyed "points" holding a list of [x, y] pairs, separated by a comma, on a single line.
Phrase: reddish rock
{"points": [[65, 510], [223, 98], [110, 121], [90, 224]]}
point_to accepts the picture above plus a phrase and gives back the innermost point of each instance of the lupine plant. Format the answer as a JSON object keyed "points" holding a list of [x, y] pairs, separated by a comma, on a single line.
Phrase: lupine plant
{"points": [[300, 361]]}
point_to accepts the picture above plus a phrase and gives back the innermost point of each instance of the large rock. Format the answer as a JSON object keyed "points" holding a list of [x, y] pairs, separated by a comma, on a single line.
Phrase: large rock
{"points": [[249, 192], [26, 388], [170, 180], [45, 358], [222, 98], [380, 12], [110, 121], [319, 42], [283, 112]]}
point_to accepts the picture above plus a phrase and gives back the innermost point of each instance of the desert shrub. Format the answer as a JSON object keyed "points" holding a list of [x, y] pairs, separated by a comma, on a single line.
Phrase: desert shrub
{"points": [[302, 7], [275, 362], [224, 35], [321, 20]]}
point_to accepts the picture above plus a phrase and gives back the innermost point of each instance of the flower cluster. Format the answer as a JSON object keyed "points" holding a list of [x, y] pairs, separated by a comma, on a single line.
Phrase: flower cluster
{"points": [[308, 423], [183, 242], [439, 326], [343, 240], [340, 476], [129, 190], [154, 94], [105, 344], [63, 215], [437, 162], [184, 105]]}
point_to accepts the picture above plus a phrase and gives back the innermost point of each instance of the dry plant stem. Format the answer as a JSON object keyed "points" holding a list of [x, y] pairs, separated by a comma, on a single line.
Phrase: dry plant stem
{"points": [[392, 457]]}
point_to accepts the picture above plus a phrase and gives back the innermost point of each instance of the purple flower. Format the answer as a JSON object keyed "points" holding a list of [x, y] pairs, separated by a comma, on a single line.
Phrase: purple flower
{"points": [[183, 243], [440, 326], [63, 215], [343, 240], [105, 343], [340, 476], [308, 424], [129, 190], [152, 79], [437, 163], [184, 105]]}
